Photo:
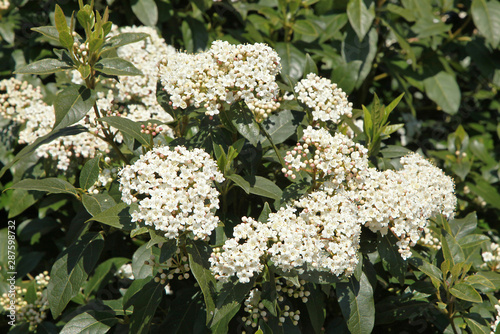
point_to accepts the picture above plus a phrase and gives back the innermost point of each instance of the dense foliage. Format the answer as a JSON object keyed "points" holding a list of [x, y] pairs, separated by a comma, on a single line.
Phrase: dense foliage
{"points": [[263, 179]]}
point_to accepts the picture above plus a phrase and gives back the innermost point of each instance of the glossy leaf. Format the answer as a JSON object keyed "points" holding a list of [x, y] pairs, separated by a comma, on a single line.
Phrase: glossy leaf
{"points": [[128, 127], [443, 89], [48, 31], [71, 270], [356, 302], [124, 39], [360, 16], [90, 173], [97, 203], [145, 306], [117, 216], [279, 126], [146, 11], [292, 60], [90, 322], [199, 253], [466, 292], [391, 259], [486, 16], [72, 104], [117, 66], [139, 268], [44, 66], [51, 185]]}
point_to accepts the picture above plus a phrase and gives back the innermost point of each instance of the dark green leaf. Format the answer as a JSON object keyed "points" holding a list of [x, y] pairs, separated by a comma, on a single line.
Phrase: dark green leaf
{"points": [[145, 306], [463, 227], [489, 193], [90, 173], [146, 11], [244, 122], [292, 60], [391, 259], [186, 312], [124, 39], [443, 89], [21, 200], [117, 216], [71, 270], [133, 291], [117, 66], [360, 16], [310, 66], [44, 66], [199, 253], [90, 322], [103, 274], [364, 51], [279, 127], [72, 104], [356, 302], [128, 127], [316, 308], [51, 185], [264, 215]]}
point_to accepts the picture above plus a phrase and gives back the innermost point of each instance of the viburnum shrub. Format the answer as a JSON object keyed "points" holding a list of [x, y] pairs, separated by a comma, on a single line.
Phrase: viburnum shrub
{"points": [[249, 201]]}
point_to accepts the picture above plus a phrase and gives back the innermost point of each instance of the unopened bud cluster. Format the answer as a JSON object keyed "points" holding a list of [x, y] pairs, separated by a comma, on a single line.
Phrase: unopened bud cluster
{"points": [[327, 101], [32, 313], [176, 266], [174, 189], [151, 129], [292, 291], [222, 75]]}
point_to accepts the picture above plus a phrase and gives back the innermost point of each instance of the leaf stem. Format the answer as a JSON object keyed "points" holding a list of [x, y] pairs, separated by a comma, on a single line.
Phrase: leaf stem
{"points": [[282, 161]]}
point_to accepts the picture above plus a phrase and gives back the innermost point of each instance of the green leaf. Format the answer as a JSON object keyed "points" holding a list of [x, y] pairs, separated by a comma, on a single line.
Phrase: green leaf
{"points": [[199, 253], [139, 268], [356, 302], [84, 71], [463, 227], [145, 306], [257, 185], [264, 215], [146, 11], [391, 259], [103, 274], [72, 104], [128, 127], [44, 66], [489, 193], [310, 66], [60, 20], [66, 39], [186, 312], [304, 27], [292, 60], [48, 31], [279, 126], [476, 327], [451, 248], [97, 203], [117, 216], [443, 89], [244, 122], [466, 292], [71, 270], [117, 66], [360, 16], [316, 308], [90, 173], [124, 39], [427, 268], [229, 299], [90, 322], [21, 200], [51, 185], [133, 291], [364, 51], [486, 16]]}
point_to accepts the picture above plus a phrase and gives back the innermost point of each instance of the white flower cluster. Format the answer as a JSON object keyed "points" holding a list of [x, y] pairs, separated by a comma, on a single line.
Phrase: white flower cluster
{"points": [[4, 4], [402, 201], [333, 160], [139, 92], [319, 231], [491, 258], [174, 190], [327, 101], [224, 73], [34, 313]]}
